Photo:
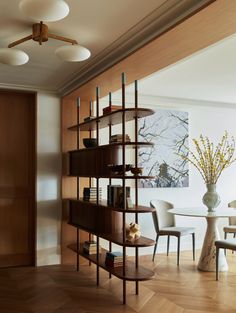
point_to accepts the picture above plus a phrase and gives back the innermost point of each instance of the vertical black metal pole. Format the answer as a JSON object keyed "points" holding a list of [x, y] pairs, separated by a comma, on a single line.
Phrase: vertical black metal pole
{"points": [[110, 181], [124, 186], [90, 133], [136, 164], [90, 179], [97, 178], [78, 182]]}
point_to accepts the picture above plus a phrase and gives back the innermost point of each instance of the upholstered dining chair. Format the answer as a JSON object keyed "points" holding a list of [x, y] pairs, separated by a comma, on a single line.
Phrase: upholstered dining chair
{"points": [[223, 244], [164, 223], [231, 228]]}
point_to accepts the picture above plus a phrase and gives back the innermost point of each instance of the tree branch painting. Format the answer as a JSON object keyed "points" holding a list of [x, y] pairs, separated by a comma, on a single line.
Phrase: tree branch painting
{"points": [[168, 131]]}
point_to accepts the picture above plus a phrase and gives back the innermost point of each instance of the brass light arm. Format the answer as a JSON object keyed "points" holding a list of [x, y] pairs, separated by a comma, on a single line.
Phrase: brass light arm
{"points": [[72, 41], [40, 34], [15, 43]]}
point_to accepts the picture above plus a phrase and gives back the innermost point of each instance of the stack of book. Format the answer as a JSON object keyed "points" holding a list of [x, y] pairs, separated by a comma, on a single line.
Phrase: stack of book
{"points": [[90, 247], [119, 138], [90, 194], [115, 196], [112, 108], [114, 259]]}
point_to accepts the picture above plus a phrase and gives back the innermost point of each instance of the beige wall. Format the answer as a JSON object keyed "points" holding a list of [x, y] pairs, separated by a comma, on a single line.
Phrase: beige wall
{"points": [[48, 179]]}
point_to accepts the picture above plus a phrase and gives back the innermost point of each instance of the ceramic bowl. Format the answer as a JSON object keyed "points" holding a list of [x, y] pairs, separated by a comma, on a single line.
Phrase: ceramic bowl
{"points": [[118, 169], [90, 142], [137, 170]]}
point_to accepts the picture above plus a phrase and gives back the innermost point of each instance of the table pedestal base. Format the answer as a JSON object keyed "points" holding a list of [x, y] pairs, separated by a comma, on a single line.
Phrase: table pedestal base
{"points": [[207, 261]]}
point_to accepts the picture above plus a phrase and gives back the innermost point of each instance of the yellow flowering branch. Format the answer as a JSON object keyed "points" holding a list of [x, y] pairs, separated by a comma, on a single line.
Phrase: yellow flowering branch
{"points": [[209, 160]]}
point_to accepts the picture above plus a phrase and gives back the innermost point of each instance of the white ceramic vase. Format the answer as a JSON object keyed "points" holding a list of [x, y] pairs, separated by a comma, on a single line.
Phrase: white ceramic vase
{"points": [[211, 198]]}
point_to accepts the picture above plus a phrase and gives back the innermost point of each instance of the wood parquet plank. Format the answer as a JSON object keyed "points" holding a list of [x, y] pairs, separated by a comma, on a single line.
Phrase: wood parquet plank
{"points": [[159, 303], [60, 289]]}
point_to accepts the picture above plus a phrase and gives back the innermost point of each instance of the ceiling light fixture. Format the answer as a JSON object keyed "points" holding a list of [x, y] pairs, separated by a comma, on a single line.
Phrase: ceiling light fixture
{"points": [[49, 10]]}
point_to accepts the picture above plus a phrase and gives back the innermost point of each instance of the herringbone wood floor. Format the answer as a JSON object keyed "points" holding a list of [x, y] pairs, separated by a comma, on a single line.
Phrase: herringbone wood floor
{"points": [[59, 289]]}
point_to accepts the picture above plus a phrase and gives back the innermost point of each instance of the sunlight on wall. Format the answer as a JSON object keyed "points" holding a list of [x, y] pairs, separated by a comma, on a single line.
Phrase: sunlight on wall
{"points": [[47, 188], [48, 179]]}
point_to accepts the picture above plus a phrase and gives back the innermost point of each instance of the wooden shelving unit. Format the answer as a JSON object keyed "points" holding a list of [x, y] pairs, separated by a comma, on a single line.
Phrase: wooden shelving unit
{"points": [[98, 218], [131, 273]]}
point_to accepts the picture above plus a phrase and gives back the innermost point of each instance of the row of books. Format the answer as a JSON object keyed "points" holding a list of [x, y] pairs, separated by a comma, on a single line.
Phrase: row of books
{"points": [[115, 196], [90, 247], [114, 259], [90, 193], [119, 138]]}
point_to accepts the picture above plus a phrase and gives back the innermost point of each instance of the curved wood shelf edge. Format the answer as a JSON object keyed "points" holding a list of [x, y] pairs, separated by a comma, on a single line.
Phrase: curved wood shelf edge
{"points": [[113, 118], [103, 203], [117, 144], [115, 176], [117, 238], [131, 273]]}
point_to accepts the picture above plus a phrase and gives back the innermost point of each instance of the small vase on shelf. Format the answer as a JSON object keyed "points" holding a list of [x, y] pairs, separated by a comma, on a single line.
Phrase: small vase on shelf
{"points": [[211, 198]]}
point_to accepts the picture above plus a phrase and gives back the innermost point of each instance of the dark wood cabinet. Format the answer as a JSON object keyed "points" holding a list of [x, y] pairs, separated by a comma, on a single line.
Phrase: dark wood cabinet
{"points": [[17, 178]]}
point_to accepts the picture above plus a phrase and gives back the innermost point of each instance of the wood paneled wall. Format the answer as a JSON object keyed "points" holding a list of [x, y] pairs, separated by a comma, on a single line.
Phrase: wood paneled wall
{"points": [[17, 178], [69, 184]]}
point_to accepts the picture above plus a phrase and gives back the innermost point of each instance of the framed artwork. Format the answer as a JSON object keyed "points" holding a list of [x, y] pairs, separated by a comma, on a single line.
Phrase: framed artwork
{"points": [[168, 131]]}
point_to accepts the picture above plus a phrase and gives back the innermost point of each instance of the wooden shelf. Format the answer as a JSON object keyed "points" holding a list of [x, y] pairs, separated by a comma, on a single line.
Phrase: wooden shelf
{"points": [[117, 238], [113, 118], [94, 162], [113, 176], [103, 203], [131, 273], [128, 145]]}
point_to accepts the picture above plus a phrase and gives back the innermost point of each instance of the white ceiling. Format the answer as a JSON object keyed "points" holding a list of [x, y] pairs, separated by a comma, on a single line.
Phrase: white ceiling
{"points": [[99, 25], [95, 24], [209, 75]]}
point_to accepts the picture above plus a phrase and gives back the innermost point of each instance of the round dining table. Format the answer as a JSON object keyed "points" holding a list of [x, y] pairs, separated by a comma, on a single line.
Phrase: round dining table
{"points": [[207, 261]]}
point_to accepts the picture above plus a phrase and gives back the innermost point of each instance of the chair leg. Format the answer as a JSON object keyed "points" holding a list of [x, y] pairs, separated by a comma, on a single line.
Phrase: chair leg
{"points": [[225, 238], [234, 237], [217, 263], [193, 238], [178, 251], [155, 248], [168, 244]]}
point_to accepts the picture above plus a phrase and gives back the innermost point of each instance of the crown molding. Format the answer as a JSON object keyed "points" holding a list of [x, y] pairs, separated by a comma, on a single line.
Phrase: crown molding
{"points": [[175, 103], [168, 15]]}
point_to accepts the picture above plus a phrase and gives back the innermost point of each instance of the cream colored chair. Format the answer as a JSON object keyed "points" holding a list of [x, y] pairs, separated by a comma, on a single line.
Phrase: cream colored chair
{"points": [[231, 228], [164, 223], [223, 244]]}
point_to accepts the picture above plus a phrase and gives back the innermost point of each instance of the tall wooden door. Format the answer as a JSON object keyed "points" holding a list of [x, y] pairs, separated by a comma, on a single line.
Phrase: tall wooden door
{"points": [[17, 178]]}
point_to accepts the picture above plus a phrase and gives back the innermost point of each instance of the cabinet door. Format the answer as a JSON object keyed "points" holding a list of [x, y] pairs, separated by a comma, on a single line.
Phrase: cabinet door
{"points": [[17, 178]]}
